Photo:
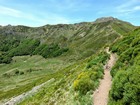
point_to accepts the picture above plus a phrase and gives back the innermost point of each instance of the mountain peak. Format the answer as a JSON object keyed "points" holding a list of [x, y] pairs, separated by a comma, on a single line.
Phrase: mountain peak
{"points": [[105, 19]]}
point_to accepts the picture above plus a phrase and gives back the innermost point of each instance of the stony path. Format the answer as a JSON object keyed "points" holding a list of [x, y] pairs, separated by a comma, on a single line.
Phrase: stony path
{"points": [[18, 99], [100, 96]]}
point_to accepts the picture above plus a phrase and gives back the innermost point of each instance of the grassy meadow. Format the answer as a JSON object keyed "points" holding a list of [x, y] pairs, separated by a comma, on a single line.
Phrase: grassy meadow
{"points": [[72, 54], [24, 72], [73, 85]]}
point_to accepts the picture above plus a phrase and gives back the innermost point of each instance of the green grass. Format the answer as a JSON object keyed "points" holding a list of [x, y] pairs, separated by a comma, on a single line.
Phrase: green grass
{"points": [[82, 40], [63, 91], [34, 68]]}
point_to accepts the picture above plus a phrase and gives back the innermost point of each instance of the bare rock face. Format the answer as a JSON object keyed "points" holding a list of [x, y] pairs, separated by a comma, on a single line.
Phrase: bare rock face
{"points": [[105, 19]]}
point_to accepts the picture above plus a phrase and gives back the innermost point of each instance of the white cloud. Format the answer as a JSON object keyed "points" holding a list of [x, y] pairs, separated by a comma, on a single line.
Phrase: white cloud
{"points": [[46, 18], [129, 6], [137, 8], [9, 11], [54, 19], [16, 13]]}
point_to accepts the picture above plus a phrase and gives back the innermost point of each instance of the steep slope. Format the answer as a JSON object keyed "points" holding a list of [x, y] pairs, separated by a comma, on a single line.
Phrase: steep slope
{"points": [[73, 84], [80, 39], [62, 45], [126, 83]]}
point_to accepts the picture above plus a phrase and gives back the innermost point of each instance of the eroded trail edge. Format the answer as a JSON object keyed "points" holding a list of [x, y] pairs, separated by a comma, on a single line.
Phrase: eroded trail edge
{"points": [[100, 96], [19, 98]]}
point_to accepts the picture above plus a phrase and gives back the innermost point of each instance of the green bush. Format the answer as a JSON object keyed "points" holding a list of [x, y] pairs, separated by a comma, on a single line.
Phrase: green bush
{"points": [[101, 58], [88, 79], [126, 55], [26, 47], [52, 50], [126, 87], [32, 47], [8, 44], [84, 82], [126, 83], [5, 59]]}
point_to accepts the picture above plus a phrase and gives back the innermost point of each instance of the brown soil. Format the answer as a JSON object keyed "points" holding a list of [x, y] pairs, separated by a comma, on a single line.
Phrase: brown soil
{"points": [[100, 96]]}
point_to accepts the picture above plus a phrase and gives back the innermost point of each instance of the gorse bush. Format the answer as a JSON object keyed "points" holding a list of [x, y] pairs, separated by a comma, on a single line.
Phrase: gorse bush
{"points": [[126, 87], [89, 78], [84, 82], [126, 83], [128, 52], [73, 85], [101, 58]]}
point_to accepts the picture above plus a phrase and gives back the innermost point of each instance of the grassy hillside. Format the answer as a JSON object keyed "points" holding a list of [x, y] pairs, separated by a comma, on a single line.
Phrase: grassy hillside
{"points": [[78, 40], [13, 47], [24, 72], [126, 83], [35, 55], [72, 85]]}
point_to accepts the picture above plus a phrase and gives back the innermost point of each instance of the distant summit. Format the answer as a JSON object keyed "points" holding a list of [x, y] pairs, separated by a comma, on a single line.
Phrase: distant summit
{"points": [[105, 19]]}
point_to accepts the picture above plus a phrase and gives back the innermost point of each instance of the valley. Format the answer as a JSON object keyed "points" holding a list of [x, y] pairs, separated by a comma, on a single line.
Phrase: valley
{"points": [[74, 56]]}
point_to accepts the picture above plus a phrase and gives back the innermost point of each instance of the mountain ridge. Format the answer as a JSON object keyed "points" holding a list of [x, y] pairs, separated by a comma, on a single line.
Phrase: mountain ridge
{"points": [[77, 37], [72, 54], [100, 19]]}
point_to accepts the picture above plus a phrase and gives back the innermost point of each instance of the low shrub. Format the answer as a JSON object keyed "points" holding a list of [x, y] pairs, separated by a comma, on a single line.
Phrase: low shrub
{"points": [[126, 87], [126, 83], [84, 82]]}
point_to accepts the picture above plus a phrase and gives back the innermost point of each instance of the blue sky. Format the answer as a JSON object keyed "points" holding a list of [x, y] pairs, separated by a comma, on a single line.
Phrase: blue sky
{"points": [[42, 12]]}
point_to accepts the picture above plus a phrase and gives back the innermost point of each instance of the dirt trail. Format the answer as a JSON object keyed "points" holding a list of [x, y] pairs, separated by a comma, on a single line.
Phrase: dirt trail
{"points": [[18, 99], [100, 96]]}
